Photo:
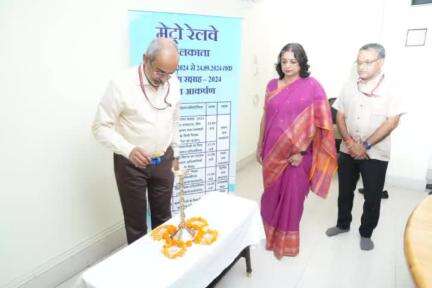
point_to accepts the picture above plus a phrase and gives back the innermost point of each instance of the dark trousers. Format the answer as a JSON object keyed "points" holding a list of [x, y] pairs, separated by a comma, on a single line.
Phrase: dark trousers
{"points": [[134, 184], [373, 175]]}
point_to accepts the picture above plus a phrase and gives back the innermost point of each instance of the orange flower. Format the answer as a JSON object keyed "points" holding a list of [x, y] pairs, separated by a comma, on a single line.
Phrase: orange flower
{"points": [[173, 251], [206, 237], [163, 232], [174, 248], [196, 223]]}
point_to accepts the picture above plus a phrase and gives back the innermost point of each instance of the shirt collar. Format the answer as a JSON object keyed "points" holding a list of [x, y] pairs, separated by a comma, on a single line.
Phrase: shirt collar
{"points": [[370, 86]]}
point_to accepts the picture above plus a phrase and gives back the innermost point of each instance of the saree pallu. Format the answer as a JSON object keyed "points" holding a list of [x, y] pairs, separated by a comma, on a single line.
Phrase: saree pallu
{"points": [[297, 118]]}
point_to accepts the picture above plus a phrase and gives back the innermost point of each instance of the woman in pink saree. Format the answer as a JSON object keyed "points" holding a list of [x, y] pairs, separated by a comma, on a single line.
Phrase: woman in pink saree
{"points": [[296, 149]]}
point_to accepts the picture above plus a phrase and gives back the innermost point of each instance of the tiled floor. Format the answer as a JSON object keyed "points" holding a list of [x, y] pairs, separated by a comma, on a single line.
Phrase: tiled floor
{"points": [[328, 262]]}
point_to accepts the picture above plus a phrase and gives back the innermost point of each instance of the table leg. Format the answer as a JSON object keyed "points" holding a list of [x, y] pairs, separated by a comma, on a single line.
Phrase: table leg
{"points": [[244, 253]]}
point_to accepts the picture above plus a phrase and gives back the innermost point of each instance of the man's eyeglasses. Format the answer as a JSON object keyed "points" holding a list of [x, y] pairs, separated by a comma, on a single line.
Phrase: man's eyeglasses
{"points": [[160, 73], [366, 63]]}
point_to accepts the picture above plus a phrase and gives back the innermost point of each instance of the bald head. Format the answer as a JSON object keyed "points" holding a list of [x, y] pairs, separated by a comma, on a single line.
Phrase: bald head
{"points": [[164, 46], [161, 58]]}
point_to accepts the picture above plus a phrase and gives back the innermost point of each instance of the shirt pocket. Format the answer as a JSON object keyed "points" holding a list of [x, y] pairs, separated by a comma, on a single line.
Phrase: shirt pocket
{"points": [[165, 118], [378, 114], [137, 112], [131, 112]]}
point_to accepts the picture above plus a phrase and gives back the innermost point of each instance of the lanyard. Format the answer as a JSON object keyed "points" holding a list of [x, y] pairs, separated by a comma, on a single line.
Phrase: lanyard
{"points": [[145, 94]]}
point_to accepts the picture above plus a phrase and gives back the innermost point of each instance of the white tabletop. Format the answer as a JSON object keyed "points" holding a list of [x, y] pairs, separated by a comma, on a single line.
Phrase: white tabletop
{"points": [[142, 264]]}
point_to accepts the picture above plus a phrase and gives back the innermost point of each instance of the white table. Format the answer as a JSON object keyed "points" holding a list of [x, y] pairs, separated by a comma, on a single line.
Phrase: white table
{"points": [[142, 264]]}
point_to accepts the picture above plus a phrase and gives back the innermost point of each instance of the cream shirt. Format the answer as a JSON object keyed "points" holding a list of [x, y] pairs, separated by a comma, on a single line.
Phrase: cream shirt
{"points": [[364, 114], [125, 118]]}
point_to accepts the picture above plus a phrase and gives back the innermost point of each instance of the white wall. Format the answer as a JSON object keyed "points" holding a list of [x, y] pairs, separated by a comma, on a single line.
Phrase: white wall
{"points": [[58, 192], [57, 187], [328, 31], [410, 66]]}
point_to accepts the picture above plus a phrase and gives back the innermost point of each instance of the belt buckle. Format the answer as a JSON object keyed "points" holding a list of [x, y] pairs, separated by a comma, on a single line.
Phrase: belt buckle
{"points": [[156, 158], [155, 161]]}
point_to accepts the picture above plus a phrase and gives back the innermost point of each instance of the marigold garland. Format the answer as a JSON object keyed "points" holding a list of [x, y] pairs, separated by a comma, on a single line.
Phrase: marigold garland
{"points": [[206, 237], [174, 248], [196, 223], [172, 251], [162, 231]]}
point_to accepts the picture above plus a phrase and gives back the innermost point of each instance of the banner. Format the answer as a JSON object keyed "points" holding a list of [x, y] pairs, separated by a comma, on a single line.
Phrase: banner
{"points": [[209, 68]]}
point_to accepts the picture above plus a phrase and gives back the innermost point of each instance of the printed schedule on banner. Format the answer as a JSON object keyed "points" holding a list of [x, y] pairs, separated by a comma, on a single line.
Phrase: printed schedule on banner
{"points": [[205, 149], [208, 72]]}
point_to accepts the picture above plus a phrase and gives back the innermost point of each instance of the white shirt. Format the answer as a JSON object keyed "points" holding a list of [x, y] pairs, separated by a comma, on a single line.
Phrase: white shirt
{"points": [[364, 114], [125, 118]]}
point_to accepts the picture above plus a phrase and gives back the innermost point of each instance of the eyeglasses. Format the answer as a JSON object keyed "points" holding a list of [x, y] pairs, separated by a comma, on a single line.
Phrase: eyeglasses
{"points": [[366, 63], [160, 73]]}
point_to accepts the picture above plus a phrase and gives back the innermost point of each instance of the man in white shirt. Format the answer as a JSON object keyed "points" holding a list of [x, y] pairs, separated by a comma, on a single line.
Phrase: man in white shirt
{"points": [[367, 114], [137, 119]]}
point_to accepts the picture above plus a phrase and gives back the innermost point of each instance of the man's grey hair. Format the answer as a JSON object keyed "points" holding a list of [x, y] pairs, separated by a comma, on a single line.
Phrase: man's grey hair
{"points": [[377, 47], [156, 46]]}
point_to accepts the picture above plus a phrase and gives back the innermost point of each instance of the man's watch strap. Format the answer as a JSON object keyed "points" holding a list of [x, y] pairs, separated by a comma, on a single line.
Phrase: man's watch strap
{"points": [[367, 145]]}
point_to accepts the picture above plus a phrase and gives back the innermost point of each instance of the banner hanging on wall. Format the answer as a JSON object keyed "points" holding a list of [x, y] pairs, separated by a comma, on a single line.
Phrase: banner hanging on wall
{"points": [[209, 68]]}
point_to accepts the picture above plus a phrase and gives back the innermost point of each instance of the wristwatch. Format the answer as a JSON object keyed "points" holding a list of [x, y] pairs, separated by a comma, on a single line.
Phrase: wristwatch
{"points": [[366, 145]]}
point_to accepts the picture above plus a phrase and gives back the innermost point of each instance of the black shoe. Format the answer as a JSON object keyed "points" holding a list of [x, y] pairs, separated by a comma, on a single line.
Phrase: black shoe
{"points": [[384, 194]]}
